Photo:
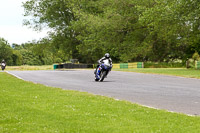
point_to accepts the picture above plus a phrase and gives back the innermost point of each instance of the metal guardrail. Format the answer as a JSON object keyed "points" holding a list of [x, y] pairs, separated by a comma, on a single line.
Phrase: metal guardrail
{"points": [[116, 66], [197, 64], [129, 65]]}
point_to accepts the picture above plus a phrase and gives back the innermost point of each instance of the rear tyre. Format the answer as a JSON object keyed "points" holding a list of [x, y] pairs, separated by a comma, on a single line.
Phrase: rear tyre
{"points": [[96, 79]]}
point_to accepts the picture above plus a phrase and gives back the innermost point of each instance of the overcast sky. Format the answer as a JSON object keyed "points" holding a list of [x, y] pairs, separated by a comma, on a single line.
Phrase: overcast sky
{"points": [[11, 23]]}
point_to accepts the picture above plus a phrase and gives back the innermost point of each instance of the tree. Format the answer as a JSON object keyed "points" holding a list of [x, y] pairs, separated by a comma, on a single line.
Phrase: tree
{"points": [[130, 30], [17, 58], [5, 51], [108, 26], [57, 15]]}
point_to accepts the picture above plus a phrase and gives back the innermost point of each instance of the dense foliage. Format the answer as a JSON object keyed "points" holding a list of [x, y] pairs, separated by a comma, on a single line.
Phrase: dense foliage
{"points": [[31, 53], [5, 50], [130, 30]]}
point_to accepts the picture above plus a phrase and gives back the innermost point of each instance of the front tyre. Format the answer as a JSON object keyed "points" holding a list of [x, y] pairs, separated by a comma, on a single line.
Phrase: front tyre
{"points": [[3, 68], [103, 75]]}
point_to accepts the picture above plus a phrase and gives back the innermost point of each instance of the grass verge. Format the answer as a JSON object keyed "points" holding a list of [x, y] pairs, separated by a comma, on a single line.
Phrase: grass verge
{"points": [[29, 107], [27, 67], [183, 72]]}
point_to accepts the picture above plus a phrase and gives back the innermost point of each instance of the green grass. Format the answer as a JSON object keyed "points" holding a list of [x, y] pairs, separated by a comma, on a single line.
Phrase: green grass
{"points": [[27, 67], [183, 72], [28, 107]]}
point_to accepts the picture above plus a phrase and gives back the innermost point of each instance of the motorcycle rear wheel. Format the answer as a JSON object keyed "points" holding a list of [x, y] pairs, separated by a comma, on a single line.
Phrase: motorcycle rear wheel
{"points": [[96, 79]]}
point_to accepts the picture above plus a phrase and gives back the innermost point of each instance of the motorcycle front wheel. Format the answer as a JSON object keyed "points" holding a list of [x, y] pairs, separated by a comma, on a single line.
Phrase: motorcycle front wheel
{"points": [[2, 68], [102, 76]]}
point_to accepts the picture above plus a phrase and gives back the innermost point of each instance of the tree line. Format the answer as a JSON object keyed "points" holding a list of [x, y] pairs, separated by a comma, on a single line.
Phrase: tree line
{"points": [[30, 53], [130, 30]]}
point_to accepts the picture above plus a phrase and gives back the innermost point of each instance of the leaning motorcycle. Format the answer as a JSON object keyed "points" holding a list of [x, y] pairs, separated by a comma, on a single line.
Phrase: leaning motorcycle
{"points": [[102, 71], [3, 66]]}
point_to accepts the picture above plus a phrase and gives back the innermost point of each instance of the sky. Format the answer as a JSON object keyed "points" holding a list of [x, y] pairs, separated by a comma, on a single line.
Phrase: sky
{"points": [[11, 23]]}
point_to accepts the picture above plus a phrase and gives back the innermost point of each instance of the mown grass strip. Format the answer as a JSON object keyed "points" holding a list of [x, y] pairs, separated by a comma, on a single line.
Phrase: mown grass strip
{"points": [[29, 107], [27, 67], [183, 72]]}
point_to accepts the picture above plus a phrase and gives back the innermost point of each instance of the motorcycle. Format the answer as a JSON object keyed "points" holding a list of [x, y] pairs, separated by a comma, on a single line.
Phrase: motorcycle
{"points": [[3, 66], [102, 71]]}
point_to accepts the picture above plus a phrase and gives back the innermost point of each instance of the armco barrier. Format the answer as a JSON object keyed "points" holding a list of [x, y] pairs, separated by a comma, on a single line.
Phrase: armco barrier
{"points": [[116, 66], [129, 65], [123, 65], [132, 65], [140, 65], [71, 66]]}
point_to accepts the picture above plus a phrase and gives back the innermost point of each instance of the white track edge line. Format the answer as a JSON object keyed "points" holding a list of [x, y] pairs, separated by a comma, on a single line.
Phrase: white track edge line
{"points": [[15, 75]]}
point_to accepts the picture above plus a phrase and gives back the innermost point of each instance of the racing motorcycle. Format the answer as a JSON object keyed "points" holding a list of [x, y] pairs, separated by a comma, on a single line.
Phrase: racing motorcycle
{"points": [[3, 66], [102, 71]]}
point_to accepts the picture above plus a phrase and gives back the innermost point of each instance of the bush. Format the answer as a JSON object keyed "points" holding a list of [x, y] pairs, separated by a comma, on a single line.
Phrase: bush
{"points": [[190, 63], [163, 65], [58, 60], [47, 61], [195, 56]]}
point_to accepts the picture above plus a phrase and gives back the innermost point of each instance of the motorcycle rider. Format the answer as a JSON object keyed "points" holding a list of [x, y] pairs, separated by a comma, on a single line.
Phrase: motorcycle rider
{"points": [[3, 64], [106, 57]]}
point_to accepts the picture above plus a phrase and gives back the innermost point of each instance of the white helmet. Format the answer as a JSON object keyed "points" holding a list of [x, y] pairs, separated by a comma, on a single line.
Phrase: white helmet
{"points": [[107, 55]]}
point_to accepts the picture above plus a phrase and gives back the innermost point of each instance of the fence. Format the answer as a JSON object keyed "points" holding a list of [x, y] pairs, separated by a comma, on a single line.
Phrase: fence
{"points": [[129, 65], [116, 66], [197, 64], [71, 66]]}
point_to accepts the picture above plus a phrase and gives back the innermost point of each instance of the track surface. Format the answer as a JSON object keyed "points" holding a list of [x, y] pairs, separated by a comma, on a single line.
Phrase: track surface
{"points": [[171, 93]]}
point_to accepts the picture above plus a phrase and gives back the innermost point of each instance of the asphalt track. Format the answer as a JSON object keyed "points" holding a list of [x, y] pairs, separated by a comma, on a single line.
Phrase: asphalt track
{"points": [[170, 93]]}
